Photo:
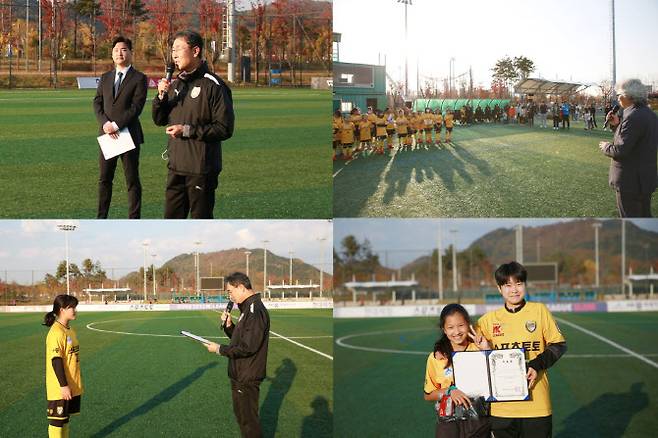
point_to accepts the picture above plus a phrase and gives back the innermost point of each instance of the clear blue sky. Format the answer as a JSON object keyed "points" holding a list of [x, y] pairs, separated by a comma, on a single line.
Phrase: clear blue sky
{"points": [[406, 239], [38, 245], [568, 40]]}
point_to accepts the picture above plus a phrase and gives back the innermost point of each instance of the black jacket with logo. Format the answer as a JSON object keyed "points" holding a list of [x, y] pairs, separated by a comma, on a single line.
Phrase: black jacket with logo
{"points": [[247, 351], [203, 101]]}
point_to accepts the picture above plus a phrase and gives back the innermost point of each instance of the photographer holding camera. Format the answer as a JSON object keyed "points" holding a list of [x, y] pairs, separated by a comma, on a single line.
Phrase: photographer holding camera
{"points": [[633, 150]]}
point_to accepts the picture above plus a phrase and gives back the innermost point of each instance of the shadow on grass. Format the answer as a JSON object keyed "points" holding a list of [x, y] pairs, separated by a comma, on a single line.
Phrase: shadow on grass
{"points": [[608, 416], [279, 387], [164, 396], [320, 422]]}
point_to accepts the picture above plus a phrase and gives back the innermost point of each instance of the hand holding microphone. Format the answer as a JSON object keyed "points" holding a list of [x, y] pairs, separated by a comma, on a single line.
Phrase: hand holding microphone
{"points": [[226, 315], [163, 85], [612, 119]]}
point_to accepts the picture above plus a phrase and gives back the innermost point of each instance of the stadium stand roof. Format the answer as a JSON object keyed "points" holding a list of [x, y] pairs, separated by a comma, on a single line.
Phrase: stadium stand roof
{"points": [[542, 86]]}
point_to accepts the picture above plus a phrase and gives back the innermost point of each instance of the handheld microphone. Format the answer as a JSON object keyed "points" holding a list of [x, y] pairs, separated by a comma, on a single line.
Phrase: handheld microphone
{"points": [[613, 111], [170, 71], [229, 307]]}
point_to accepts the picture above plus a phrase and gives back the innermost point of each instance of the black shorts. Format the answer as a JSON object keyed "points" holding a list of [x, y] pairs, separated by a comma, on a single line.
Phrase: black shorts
{"points": [[63, 409], [382, 137], [390, 132], [402, 135], [449, 129], [438, 128]]}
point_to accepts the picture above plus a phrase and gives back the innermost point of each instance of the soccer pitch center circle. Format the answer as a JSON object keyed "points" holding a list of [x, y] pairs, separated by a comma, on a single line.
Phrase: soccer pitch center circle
{"points": [[342, 341], [91, 326]]}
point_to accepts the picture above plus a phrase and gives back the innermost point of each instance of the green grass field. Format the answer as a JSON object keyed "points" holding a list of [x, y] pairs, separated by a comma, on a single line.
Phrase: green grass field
{"points": [[276, 165], [170, 386], [597, 390], [488, 171]]}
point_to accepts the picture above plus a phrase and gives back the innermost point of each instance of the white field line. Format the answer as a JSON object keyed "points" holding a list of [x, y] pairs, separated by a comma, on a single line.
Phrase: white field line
{"points": [[290, 339], [342, 343], [608, 341]]}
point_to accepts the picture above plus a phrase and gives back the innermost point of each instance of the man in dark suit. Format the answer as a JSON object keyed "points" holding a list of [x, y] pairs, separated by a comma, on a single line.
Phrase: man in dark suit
{"points": [[633, 151], [119, 101]]}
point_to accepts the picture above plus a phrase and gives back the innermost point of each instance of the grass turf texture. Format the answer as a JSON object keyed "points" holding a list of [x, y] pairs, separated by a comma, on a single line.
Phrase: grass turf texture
{"points": [[166, 386], [488, 171], [275, 166], [381, 394]]}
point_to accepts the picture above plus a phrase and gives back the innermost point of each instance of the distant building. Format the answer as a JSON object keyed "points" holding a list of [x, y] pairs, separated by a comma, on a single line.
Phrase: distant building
{"points": [[360, 86]]}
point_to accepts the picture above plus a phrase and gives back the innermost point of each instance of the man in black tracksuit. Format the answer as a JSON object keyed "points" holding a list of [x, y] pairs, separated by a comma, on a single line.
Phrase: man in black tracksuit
{"points": [[247, 352], [197, 109]]}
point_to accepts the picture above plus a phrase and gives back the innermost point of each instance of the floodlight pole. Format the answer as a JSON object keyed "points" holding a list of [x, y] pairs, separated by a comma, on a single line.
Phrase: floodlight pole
{"points": [[246, 253], [596, 226], [519, 243], [623, 256], [321, 240], [265, 242], [198, 263], [67, 228], [406, 52], [614, 51], [290, 253], [145, 245], [454, 260], [153, 269], [440, 265]]}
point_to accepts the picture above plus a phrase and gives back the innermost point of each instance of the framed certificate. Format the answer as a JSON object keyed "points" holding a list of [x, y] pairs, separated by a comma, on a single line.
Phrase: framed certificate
{"points": [[496, 375]]}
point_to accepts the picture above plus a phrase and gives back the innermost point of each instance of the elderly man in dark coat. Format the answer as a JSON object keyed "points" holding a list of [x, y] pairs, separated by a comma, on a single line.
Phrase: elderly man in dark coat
{"points": [[633, 150]]}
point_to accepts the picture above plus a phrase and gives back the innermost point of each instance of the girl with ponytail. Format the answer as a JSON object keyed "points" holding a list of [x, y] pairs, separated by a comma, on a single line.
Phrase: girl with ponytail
{"points": [[63, 382], [457, 334]]}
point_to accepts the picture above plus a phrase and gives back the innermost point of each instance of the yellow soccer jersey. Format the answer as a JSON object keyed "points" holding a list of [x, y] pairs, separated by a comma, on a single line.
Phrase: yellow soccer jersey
{"points": [[390, 121], [401, 124], [62, 342], [449, 120], [372, 118], [437, 375], [531, 328], [336, 125], [381, 127], [428, 120], [364, 130], [347, 132], [355, 118], [438, 118]]}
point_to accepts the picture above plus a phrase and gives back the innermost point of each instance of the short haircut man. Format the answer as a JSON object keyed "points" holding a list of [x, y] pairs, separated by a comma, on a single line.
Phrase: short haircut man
{"points": [[246, 352], [119, 100], [198, 113]]}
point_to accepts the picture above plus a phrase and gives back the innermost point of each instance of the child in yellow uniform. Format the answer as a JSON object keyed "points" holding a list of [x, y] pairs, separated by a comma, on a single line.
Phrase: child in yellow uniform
{"points": [[457, 335], [364, 127], [527, 325], [372, 118], [347, 138], [402, 128], [63, 381], [380, 132], [336, 125], [390, 126], [449, 122], [428, 123], [438, 125]]}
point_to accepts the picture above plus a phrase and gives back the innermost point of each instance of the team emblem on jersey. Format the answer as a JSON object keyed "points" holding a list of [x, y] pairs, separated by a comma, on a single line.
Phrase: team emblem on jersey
{"points": [[498, 329], [195, 92], [60, 410], [531, 326], [447, 372]]}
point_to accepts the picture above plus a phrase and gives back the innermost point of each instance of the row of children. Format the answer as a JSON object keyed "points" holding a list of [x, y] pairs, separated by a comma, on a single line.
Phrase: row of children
{"points": [[375, 130]]}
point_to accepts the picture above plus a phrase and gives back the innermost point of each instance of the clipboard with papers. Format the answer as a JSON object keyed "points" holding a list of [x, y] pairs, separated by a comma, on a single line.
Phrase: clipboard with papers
{"points": [[496, 375], [113, 147]]}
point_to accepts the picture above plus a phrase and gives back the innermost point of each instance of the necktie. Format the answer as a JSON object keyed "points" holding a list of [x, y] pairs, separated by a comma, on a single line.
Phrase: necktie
{"points": [[117, 83]]}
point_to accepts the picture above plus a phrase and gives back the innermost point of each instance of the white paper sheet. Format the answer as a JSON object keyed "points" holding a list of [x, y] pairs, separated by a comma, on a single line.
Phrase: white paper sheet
{"points": [[471, 376], [195, 337], [111, 147]]}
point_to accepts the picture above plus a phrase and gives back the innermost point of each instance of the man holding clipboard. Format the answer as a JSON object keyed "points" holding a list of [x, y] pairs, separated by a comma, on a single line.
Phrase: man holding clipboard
{"points": [[529, 326], [120, 98]]}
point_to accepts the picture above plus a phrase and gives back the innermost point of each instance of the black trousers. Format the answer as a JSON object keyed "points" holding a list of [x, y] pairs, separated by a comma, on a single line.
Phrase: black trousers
{"points": [[190, 194], [536, 427], [565, 119], [245, 408], [130, 162], [631, 204]]}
